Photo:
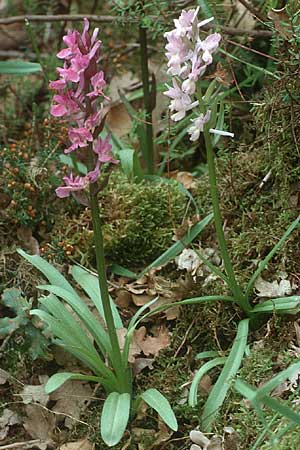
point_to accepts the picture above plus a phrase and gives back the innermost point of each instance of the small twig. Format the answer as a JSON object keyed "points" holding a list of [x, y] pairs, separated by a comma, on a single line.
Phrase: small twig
{"points": [[109, 19], [185, 337], [24, 444], [253, 10]]}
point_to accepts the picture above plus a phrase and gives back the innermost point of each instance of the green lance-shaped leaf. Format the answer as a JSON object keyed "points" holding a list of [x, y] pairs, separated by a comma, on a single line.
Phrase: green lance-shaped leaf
{"points": [[19, 67], [83, 312], [114, 418], [58, 379], [288, 305], [52, 274], [90, 285], [169, 254], [200, 373], [232, 365], [161, 405]]}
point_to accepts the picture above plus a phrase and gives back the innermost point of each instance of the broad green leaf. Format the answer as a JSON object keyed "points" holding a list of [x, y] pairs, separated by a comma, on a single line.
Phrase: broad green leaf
{"points": [[161, 405], [263, 264], [130, 164], [221, 387], [73, 163], [90, 285], [83, 312], [19, 67], [123, 272], [58, 379], [114, 418], [284, 304], [202, 371], [52, 274]]}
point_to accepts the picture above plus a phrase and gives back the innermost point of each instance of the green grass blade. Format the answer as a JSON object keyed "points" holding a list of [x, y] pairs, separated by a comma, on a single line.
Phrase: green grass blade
{"points": [[179, 246], [212, 267], [58, 379], [83, 312], [283, 304], [52, 274], [114, 418], [205, 9], [202, 371], [232, 365], [90, 285], [263, 264], [208, 354], [19, 67], [161, 405]]}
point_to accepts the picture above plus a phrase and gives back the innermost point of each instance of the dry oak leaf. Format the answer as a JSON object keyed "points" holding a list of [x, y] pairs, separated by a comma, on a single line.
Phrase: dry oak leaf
{"points": [[83, 444], [151, 345], [40, 424], [7, 419], [70, 398]]}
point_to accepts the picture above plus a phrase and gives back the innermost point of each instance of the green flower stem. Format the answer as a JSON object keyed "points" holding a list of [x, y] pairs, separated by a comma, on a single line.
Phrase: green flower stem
{"points": [[116, 358], [235, 288], [149, 151]]}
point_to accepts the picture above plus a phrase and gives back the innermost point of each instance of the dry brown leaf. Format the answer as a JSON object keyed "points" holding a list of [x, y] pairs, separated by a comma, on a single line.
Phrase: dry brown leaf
{"points": [[141, 299], [123, 298], [141, 364], [170, 313], [185, 178], [29, 242], [7, 419], [151, 345], [83, 444], [70, 398], [34, 394], [40, 424], [118, 120], [272, 289], [205, 384], [134, 348]]}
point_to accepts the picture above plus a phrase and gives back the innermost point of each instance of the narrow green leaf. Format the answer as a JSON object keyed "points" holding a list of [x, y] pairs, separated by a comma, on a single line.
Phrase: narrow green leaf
{"points": [[52, 274], [114, 418], [179, 246], [161, 405], [208, 354], [58, 379], [123, 272], [83, 312], [202, 371], [19, 67], [90, 285], [277, 380], [263, 264], [282, 304], [221, 387]]}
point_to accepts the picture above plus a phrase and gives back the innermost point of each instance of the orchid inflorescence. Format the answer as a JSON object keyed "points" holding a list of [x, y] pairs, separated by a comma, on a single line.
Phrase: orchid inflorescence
{"points": [[188, 58], [79, 89]]}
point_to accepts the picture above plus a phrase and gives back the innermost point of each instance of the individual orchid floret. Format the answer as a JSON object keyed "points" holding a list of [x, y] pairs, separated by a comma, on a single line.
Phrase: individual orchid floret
{"points": [[71, 185], [103, 149], [181, 102], [71, 39], [98, 83], [64, 105], [80, 137], [198, 124]]}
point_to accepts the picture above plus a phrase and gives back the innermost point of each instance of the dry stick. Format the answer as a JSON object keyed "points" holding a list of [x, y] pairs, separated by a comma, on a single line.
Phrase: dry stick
{"points": [[253, 10], [108, 19], [24, 444]]}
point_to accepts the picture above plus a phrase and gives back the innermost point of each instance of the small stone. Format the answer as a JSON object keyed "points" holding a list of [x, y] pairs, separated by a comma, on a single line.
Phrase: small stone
{"points": [[198, 438], [195, 447]]}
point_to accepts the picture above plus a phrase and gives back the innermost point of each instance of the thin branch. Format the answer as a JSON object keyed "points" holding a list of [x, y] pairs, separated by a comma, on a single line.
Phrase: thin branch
{"points": [[109, 19], [253, 10]]}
